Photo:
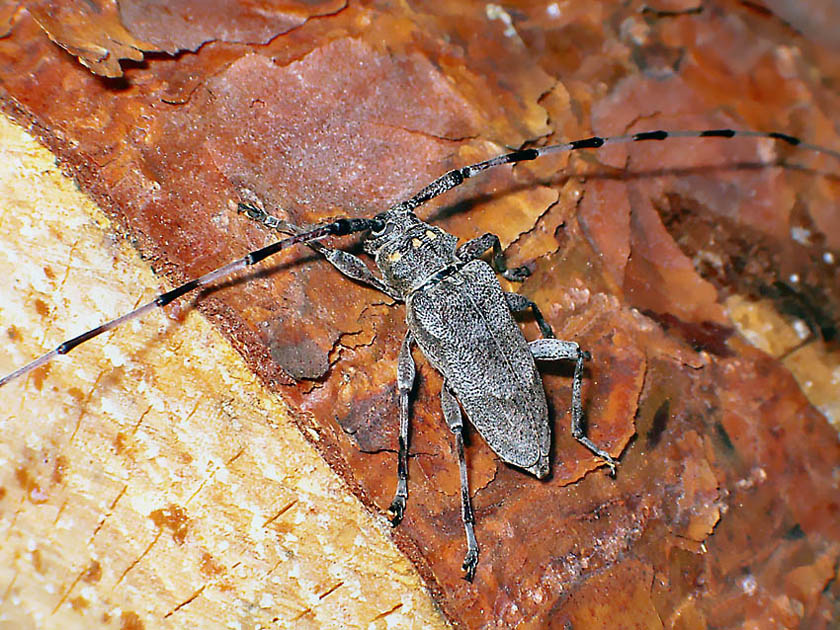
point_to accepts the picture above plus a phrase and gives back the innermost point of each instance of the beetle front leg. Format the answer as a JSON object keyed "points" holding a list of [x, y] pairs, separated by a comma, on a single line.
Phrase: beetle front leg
{"points": [[557, 350], [476, 247], [348, 264], [405, 381], [452, 414]]}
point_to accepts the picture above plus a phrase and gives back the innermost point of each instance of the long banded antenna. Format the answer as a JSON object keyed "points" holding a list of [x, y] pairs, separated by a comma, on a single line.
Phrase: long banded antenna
{"points": [[439, 186], [456, 177], [341, 227]]}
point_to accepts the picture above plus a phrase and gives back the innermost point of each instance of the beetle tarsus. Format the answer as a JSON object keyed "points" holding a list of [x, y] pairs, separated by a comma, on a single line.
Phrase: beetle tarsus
{"points": [[517, 274], [470, 564], [396, 511], [612, 464]]}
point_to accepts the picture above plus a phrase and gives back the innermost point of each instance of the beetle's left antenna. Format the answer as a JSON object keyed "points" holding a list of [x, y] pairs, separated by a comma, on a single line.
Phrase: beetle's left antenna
{"points": [[341, 227]]}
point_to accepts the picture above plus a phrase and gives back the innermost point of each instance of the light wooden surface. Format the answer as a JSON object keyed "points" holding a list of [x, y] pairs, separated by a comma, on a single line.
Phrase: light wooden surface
{"points": [[147, 479]]}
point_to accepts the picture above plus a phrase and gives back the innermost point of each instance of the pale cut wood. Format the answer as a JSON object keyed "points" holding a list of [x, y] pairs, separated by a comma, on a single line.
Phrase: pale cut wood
{"points": [[147, 479]]}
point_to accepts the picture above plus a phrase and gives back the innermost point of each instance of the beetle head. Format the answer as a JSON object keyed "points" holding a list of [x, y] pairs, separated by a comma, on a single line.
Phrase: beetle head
{"points": [[407, 250]]}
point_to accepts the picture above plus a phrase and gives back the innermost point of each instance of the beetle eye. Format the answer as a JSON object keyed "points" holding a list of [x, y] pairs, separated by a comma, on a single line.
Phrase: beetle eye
{"points": [[378, 228]]}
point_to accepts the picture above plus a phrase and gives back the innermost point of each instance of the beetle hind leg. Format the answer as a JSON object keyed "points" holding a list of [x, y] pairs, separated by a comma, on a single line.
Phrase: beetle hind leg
{"points": [[557, 350], [452, 414]]}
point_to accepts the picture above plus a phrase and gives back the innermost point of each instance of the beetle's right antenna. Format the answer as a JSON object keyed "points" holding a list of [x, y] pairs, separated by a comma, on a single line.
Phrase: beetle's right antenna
{"points": [[341, 227], [456, 177]]}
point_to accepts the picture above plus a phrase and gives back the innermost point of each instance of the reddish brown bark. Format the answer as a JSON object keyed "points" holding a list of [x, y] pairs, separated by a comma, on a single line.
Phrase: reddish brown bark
{"points": [[724, 510]]}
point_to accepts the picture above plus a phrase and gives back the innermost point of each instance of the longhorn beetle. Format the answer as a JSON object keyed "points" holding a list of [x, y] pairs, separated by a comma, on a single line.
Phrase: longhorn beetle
{"points": [[456, 312]]}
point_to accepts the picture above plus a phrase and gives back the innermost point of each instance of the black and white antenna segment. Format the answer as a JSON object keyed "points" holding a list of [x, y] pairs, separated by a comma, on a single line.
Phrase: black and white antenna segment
{"points": [[345, 226]]}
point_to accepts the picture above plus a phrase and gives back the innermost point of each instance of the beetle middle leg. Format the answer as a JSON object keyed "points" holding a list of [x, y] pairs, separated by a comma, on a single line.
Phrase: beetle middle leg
{"points": [[517, 303], [353, 267], [557, 350], [454, 418], [474, 248]]}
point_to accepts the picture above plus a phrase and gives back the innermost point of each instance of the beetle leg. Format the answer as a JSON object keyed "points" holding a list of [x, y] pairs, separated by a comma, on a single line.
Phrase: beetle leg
{"points": [[348, 264], [557, 350], [476, 247], [452, 414], [355, 268], [405, 381], [517, 303]]}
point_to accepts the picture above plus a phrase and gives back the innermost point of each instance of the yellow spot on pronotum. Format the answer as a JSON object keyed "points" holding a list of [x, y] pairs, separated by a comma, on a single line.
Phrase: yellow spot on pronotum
{"points": [[416, 242], [431, 235], [394, 256]]}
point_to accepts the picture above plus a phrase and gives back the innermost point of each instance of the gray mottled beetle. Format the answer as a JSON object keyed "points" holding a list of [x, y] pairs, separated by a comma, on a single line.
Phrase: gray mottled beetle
{"points": [[456, 312], [461, 319]]}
